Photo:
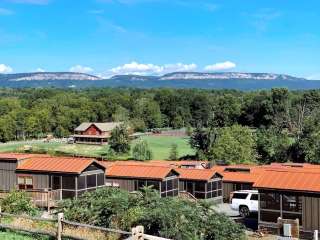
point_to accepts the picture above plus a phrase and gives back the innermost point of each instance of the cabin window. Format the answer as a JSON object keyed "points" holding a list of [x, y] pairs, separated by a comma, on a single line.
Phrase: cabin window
{"points": [[25, 182], [270, 201], [100, 179], [291, 203], [169, 187], [82, 182], [56, 182], [154, 184], [91, 181], [68, 182]]}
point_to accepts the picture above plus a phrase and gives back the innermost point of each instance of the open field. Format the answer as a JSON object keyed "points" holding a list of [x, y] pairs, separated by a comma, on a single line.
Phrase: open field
{"points": [[160, 146]]}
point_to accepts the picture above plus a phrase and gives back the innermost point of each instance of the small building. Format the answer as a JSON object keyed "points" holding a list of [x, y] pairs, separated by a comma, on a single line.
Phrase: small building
{"points": [[290, 194], [133, 177], [63, 177], [201, 183], [94, 133], [8, 165]]}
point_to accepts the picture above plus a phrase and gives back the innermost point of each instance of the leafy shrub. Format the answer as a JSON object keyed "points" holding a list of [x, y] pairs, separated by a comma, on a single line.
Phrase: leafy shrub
{"points": [[173, 217], [17, 202]]}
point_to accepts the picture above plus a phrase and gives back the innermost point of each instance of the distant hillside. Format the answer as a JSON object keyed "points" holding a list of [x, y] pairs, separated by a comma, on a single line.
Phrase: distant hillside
{"points": [[227, 80], [47, 76]]}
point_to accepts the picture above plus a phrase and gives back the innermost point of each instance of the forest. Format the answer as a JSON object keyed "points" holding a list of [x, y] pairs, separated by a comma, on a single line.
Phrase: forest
{"points": [[263, 126]]}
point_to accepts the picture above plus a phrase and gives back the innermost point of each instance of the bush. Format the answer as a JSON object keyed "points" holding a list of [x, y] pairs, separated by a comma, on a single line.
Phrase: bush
{"points": [[170, 217], [17, 202]]}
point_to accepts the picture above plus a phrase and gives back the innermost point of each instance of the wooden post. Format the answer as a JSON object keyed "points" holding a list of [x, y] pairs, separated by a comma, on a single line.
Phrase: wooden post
{"points": [[137, 233], [59, 230], [316, 235]]}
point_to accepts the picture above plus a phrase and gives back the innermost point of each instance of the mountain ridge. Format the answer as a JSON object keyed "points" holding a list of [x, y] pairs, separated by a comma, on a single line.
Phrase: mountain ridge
{"points": [[222, 80]]}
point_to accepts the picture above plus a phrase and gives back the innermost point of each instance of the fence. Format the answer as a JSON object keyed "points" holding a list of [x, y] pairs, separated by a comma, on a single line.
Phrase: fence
{"points": [[60, 228]]}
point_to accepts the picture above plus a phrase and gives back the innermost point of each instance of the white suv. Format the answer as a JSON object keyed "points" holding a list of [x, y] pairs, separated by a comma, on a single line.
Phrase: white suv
{"points": [[245, 201]]}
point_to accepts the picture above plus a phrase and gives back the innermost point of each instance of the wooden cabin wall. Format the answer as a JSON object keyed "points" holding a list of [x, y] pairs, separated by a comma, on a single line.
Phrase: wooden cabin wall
{"points": [[311, 213], [40, 181], [227, 189], [8, 177], [126, 184]]}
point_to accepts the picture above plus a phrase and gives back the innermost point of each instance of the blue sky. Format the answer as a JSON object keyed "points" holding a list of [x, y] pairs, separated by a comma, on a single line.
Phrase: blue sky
{"points": [[109, 37]]}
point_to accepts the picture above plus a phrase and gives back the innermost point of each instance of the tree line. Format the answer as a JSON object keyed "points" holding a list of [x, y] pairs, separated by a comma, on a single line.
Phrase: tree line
{"points": [[266, 126]]}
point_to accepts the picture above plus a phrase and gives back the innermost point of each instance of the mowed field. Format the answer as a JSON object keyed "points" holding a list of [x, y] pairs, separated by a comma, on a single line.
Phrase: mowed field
{"points": [[19, 236], [160, 146]]}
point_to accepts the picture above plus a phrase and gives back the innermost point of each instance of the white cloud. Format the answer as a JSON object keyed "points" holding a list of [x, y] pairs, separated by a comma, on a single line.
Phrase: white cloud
{"points": [[40, 70], [81, 69], [149, 68], [4, 11], [5, 69], [314, 77], [220, 66]]}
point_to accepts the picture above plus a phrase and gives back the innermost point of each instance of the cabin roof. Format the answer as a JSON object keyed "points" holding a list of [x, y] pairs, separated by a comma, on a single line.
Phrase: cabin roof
{"points": [[307, 180], [139, 171], [104, 127], [196, 174], [57, 164], [18, 156]]}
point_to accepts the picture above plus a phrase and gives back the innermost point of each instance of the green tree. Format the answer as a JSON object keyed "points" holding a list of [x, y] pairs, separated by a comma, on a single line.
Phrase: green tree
{"points": [[273, 146], [203, 140], [235, 144], [141, 151], [174, 154], [119, 140]]}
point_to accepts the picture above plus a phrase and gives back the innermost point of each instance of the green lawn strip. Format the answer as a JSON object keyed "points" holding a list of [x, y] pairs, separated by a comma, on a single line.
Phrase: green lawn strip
{"points": [[160, 146]]}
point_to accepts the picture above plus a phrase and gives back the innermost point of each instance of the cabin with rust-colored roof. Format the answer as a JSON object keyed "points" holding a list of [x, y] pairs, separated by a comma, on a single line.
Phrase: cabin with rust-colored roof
{"points": [[65, 177], [94, 133], [201, 183], [290, 193], [133, 177]]}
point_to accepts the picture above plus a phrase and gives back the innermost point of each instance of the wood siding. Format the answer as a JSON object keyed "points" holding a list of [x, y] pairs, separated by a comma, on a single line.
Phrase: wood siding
{"points": [[227, 189], [311, 213], [8, 177], [125, 184]]}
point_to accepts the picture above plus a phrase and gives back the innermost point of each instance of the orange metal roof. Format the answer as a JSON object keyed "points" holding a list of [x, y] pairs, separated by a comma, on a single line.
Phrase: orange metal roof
{"points": [[196, 174], [138, 171], [55, 164], [294, 180], [17, 156]]}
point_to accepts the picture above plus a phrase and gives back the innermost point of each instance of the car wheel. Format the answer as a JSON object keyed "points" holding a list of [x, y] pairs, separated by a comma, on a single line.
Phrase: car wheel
{"points": [[244, 211]]}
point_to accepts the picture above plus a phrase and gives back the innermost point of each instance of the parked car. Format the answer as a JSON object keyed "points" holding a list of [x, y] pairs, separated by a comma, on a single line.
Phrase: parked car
{"points": [[245, 201], [70, 140]]}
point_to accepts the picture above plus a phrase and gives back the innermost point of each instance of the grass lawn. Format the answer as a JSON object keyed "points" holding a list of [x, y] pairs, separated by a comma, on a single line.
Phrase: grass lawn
{"points": [[160, 146], [7, 235]]}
